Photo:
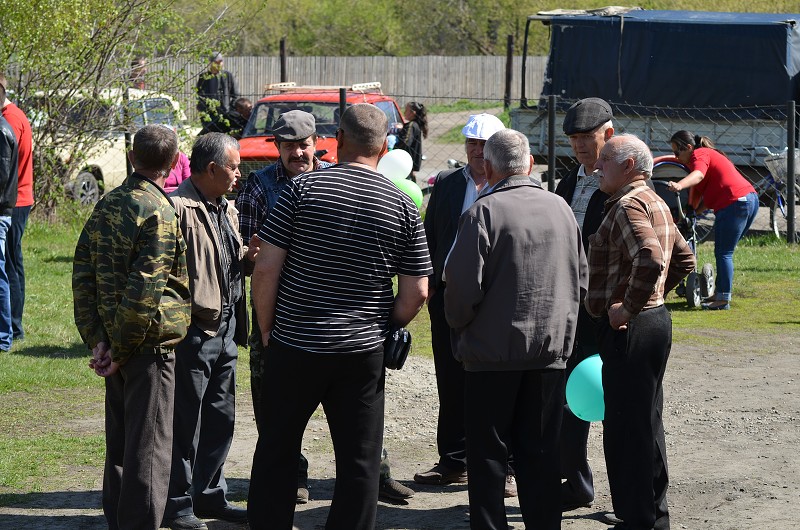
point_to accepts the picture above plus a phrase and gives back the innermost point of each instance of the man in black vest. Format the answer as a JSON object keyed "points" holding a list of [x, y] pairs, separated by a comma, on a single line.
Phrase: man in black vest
{"points": [[588, 125], [216, 92]]}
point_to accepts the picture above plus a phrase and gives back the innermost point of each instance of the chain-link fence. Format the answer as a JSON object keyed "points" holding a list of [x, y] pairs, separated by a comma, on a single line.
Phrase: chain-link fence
{"points": [[753, 138]]}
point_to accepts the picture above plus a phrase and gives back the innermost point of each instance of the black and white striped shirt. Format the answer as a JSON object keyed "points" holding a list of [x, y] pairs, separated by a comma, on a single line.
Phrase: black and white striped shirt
{"points": [[347, 231]]}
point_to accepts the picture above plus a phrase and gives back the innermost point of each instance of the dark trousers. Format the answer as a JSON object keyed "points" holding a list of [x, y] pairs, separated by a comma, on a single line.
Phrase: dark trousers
{"points": [[350, 388], [578, 487], [525, 408], [205, 404], [634, 361], [450, 437], [139, 401], [15, 269], [256, 382]]}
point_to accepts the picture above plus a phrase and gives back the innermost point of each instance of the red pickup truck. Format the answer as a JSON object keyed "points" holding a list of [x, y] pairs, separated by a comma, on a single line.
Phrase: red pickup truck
{"points": [[258, 147]]}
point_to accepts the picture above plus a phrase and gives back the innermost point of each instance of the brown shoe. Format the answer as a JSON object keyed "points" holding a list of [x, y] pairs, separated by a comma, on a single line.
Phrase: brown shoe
{"points": [[440, 475], [390, 489], [510, 489], [302, 495]]}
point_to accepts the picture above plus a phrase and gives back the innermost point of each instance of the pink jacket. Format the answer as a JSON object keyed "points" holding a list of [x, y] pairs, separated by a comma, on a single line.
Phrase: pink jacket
{"points": [[178, 174]]}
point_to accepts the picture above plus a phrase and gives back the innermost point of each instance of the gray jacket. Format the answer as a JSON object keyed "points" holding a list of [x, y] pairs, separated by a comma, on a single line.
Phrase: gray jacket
{"points": [[515, 279]]}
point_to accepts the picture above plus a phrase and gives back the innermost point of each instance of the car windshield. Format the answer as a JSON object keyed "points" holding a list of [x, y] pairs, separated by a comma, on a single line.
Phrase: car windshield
{"points": [[265, 114]]}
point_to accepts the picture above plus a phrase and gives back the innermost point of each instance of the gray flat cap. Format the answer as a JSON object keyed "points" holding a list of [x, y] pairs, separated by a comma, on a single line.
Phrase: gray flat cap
{"points": [[586, 115], [294, 126]]}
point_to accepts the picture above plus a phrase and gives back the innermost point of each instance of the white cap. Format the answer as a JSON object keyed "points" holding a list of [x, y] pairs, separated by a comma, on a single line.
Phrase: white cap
{"points": [[482, 126]]}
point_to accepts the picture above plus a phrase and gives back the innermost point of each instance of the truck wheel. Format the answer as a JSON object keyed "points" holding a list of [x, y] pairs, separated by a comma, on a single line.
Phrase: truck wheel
{"points": [[85, 189]]}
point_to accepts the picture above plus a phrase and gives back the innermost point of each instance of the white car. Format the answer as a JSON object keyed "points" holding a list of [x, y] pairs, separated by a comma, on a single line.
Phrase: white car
{"points": [[96, 159]]}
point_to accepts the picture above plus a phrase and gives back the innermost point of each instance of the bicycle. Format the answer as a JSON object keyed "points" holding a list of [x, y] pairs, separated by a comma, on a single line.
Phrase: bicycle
{"points": [[772, 190]]}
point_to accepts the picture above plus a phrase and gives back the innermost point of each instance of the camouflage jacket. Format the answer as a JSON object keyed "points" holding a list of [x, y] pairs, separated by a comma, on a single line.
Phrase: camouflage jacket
{"points": [[129, 282]]}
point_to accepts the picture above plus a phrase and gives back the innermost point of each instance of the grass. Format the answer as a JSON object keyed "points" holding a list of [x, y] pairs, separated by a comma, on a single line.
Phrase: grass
{"points": [[51, 429]]}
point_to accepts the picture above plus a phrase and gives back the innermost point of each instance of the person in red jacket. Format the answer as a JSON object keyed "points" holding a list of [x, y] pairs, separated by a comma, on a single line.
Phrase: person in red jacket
{"points": [[724, 190], [19, 215]]}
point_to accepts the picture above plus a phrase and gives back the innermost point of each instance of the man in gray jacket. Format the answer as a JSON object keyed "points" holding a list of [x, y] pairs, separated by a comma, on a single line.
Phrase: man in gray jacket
{"points": [[513, 306]]}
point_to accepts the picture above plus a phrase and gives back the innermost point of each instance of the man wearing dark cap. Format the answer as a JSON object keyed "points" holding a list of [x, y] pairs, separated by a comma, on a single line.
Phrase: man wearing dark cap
{"points": [[296, 138], [216, 92], [588, 125]]}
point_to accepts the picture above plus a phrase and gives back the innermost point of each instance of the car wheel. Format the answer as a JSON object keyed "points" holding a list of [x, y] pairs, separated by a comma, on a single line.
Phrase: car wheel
{"points": [[707, 282], [693, 297], [86, 189]]}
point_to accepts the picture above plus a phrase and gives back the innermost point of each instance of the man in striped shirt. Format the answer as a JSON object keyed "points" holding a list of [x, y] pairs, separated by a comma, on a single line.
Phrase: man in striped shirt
{"points": [[324, 300], [636, 255]]}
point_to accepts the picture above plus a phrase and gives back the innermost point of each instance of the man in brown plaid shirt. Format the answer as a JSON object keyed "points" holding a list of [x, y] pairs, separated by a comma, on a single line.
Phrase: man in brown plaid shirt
{"points": [[635, 257]]}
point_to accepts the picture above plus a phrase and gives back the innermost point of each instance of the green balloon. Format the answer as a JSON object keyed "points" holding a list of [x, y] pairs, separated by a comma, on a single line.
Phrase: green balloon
{"points": [[585, 390], [411, 189]]}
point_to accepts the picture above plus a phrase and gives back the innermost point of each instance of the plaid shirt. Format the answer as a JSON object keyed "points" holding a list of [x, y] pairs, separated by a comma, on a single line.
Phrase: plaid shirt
{"points": [[637, 254], [255, 200]]}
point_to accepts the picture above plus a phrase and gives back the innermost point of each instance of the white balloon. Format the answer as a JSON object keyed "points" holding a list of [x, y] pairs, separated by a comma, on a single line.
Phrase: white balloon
{"points": [[395, 165]]}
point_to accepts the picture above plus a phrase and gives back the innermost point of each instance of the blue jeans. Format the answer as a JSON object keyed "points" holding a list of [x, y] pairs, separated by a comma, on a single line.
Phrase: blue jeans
{"points": [[731, 225], [15, 269], [5, 294]]}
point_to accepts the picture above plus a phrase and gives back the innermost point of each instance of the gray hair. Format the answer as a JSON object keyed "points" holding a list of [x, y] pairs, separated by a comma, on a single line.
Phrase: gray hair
{"points": [[367, 126], [211, 147], [632, 147], [509, 152], [154, 149]]}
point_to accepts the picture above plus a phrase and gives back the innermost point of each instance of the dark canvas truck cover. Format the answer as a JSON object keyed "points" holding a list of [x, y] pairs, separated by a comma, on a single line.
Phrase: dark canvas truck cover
{"points": [[676, 59]]}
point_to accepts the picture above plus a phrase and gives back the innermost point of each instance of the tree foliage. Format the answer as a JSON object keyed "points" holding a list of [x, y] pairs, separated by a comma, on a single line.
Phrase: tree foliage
{"points": [[62, 56]]}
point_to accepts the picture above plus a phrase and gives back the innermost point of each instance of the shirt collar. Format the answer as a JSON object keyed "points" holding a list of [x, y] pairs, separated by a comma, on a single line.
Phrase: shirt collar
{"points": [[624, 190]]}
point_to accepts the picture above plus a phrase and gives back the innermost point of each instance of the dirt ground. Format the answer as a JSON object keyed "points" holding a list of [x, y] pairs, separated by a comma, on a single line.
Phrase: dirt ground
{"points": [[732, 417]]}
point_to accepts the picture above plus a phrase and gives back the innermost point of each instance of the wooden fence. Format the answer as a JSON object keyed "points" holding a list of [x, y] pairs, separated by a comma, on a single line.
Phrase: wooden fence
{"points": [[434, 79]]}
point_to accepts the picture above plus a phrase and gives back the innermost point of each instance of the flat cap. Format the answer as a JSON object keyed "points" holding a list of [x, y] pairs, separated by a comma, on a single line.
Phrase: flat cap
{"points": [[586, 115], [482, 126], [294, 126]]}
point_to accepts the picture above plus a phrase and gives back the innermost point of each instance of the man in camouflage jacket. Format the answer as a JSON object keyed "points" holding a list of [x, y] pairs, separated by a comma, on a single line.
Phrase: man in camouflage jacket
{"points": [[132, 306]]}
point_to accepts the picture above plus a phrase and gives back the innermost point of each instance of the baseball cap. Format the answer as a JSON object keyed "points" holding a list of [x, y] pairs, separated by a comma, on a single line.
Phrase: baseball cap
{"points": [[586, 115], [214, 57], [294, 126], [482, 126]]}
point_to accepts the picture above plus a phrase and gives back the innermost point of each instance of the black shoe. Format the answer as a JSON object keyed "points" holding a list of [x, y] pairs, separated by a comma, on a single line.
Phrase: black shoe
{"points": [[185, 522], [229, 512]]}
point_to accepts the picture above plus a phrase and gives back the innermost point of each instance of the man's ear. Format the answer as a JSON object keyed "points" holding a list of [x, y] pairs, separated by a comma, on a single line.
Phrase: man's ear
{"points": [[530, 167], [608, 133]]}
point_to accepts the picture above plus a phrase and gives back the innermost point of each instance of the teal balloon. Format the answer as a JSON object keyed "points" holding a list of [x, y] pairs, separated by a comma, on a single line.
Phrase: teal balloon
{"points": [[411, 189], [585, 390]]}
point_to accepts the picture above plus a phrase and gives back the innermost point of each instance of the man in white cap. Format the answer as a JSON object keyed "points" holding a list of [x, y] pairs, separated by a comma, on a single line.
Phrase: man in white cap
{"points": [[453, 193]]}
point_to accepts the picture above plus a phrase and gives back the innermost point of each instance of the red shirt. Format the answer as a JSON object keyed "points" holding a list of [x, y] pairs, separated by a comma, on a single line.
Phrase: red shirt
{"points": [[722, 184], [22, 130]]}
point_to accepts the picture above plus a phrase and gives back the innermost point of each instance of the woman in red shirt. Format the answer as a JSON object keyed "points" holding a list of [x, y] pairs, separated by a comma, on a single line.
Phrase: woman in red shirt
{"points": [[727, 192]]}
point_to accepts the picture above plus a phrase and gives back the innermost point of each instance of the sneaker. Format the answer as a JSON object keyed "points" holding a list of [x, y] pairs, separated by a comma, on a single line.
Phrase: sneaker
{"points": [[392, 490], [510, 489], [440, 475], [185, 522], [302, 495]]}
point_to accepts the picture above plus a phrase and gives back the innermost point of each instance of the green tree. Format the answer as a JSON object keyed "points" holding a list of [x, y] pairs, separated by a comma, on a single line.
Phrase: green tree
{"points": [[63, 58]]}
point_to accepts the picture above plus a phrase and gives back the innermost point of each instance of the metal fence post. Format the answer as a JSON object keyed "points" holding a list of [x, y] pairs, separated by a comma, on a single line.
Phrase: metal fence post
{"points": [[342, 104], [791, 178], [284, 77], [509, 71], [551, 142]]}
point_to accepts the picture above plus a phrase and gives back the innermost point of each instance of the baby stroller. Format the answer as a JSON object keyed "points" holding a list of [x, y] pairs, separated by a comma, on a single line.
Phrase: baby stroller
{"points": [[698, 285]]}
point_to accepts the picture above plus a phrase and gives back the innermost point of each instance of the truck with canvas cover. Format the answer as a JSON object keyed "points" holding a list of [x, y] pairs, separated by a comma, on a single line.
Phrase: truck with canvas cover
{"points": [[728, 76]]}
